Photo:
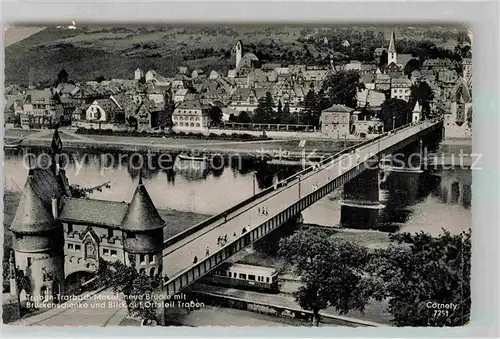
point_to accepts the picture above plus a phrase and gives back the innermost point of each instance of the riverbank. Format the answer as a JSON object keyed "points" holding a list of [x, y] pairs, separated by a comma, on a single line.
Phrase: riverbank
{"points": [[102, 143]]}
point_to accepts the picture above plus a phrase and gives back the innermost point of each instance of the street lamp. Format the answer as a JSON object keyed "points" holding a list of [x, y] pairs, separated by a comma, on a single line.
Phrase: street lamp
{"points": [[393, 122], [299, 176], [253, 180]]}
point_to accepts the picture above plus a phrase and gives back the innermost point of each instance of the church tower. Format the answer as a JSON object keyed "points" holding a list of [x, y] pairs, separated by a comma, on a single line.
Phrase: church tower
{"points": [[238, 50], [38, 245], [143, 233], [417, 113], [391, 51]]}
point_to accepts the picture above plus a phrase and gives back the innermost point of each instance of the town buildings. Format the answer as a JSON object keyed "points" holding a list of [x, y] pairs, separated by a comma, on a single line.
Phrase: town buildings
{"points": [[146, 101]]}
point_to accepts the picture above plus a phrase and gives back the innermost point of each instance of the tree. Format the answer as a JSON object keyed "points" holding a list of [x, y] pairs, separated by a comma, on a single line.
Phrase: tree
{"points": [[341, 88], [134, 285], [100, 78], [310, 110], [394, 113], [280, 111], [62, 77], [215, 115], [243, 117], [422, 93], [411, 65], [132, 122], [418, 269], [264, 111], [331, 271], [384, 59], [165, 115]]}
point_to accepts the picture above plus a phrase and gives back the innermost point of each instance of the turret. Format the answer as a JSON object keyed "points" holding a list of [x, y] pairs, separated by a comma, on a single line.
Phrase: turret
{"points": [[391, 51], [417, 113], [142, 229], [38, 244]]}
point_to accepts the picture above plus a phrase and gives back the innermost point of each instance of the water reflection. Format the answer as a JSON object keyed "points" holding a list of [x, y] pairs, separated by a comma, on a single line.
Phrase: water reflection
{"points": [[414, 201]]}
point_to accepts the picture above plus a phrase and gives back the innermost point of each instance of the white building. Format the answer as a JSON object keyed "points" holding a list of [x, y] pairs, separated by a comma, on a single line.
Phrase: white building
{"points": [[191, 116]]}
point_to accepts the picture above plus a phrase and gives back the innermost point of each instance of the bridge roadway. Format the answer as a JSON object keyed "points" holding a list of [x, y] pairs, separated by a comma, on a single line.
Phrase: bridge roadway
{"points": [[282, 203]]}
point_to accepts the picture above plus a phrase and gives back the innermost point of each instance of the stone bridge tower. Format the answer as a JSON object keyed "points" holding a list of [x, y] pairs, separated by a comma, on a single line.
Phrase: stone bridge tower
{"points": [[143, 234]]}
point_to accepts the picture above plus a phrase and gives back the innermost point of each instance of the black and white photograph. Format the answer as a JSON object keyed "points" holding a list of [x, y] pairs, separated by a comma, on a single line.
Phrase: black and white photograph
{"points": [[237, 174]]}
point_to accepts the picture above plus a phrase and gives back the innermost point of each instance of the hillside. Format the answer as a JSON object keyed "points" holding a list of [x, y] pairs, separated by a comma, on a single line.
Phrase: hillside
{"points": [[115, 52]]}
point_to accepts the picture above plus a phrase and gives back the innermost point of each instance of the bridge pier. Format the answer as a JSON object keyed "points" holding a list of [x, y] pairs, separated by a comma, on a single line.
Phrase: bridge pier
{"points": [[361, 207]]}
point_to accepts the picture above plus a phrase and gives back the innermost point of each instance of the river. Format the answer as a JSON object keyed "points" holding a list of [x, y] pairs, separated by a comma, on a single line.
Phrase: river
{"points": [[427, 201]]}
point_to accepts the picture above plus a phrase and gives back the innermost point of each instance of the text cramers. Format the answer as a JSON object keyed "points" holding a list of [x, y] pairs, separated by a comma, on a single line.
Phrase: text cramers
{"points": [[435, 305]]}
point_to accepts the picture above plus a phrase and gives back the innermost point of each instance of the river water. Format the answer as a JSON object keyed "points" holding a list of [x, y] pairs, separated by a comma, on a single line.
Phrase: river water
{"points": [[427, 201]]}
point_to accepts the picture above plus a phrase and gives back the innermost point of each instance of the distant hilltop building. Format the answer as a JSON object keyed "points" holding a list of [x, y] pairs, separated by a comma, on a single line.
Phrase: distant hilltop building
{"points": [[72, 26]]}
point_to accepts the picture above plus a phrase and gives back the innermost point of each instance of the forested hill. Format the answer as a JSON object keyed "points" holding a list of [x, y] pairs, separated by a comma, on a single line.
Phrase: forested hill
{"points": [[115, 52]]}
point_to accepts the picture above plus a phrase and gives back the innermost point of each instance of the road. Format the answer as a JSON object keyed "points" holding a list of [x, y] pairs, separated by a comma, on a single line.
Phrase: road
{"points": [[223, 146], [180, 256]]}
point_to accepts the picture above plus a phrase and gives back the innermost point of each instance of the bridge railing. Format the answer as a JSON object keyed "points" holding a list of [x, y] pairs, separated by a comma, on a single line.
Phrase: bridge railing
{"points": [[185, 277], [172, 240]]}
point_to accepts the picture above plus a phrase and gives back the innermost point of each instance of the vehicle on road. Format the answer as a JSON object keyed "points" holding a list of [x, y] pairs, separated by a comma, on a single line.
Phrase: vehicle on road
{"points": [[259, 278]]}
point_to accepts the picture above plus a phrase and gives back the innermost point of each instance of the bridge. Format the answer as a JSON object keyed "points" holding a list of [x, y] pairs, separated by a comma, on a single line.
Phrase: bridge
{"points": [[193, 253]]}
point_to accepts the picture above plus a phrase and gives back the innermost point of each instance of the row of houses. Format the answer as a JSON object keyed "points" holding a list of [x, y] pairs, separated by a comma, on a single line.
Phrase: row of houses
{"points": [[140, 102]]}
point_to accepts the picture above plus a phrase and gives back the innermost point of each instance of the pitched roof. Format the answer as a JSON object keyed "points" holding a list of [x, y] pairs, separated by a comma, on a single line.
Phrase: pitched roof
{"points": [[32, 215], [191, 104], [339, 108], [392, 44], [141, 213], [404, 58], [93, 211], [107, 104]]}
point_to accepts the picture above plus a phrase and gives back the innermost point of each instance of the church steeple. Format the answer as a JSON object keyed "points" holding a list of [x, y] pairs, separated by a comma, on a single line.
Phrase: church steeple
{"points": [[391, 51]]}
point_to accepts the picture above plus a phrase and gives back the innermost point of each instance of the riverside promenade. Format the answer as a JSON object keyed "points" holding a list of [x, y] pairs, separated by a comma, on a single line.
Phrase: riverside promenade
{"points": [[273, 148]]}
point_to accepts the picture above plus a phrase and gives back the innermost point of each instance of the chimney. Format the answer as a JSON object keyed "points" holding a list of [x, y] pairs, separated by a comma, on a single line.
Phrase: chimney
{"points": [[55, 208]]}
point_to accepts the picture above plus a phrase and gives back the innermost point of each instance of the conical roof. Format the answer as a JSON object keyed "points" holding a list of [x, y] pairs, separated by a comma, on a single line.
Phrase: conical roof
{"points": [[392, 44], [32, 216], [141, 213], [417, 108]]}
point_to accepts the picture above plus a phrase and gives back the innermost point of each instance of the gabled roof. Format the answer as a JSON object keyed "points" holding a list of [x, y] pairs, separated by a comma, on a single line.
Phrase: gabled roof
{"points": [[94, 212], [404, 58], [141, 213], [339, 108], [32, 215]]}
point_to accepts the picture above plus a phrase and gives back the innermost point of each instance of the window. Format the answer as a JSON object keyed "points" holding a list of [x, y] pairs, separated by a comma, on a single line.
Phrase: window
{"points": [[29, 262], [267, 279], [223, 273], [152, 258], [243, 276], [235, 275], [113, 253], [70, 228], [70, 246], [105, 251], [197, 124], [142, 258], [78, 248], [251, 277], [110, 233]]}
